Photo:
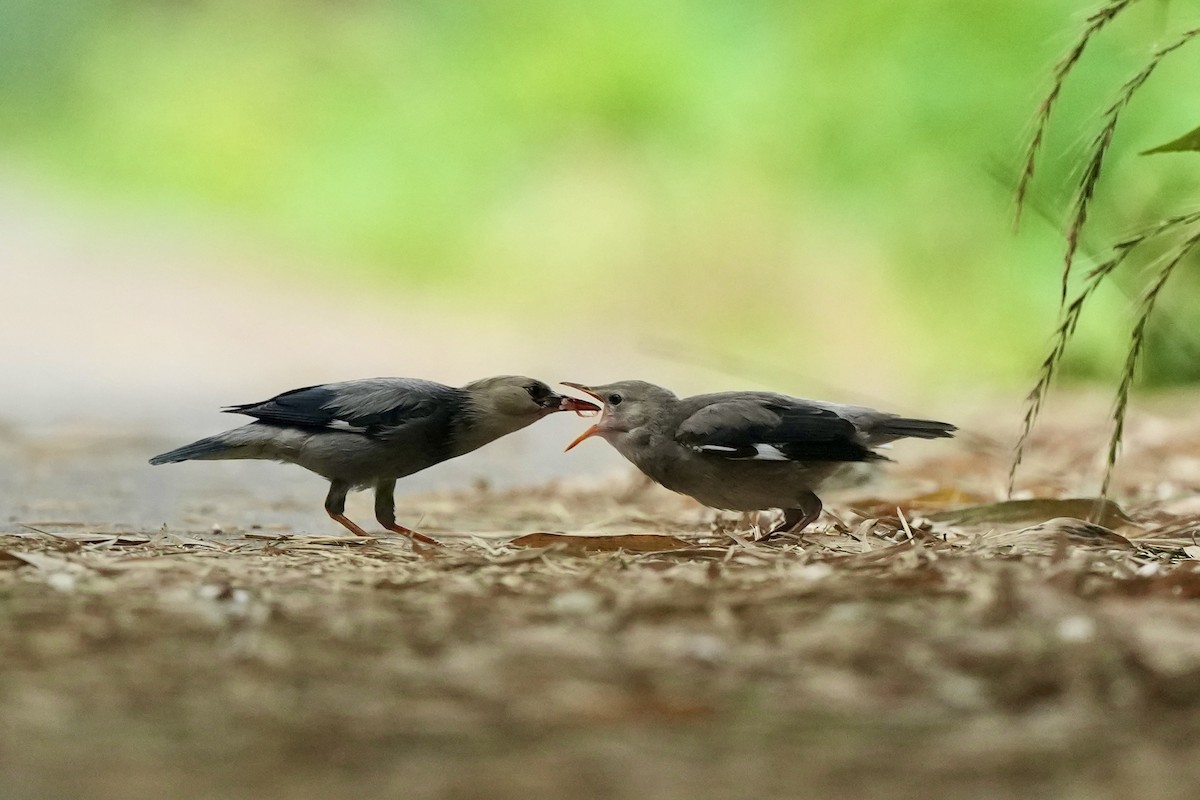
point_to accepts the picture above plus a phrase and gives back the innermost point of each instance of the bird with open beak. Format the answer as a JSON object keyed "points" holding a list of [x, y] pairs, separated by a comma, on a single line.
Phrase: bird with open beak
{"points": [[745, 451], [369, 433]]}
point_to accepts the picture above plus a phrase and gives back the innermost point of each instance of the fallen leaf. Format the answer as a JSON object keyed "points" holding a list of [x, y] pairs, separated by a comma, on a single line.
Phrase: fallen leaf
{"points": [[1078, 533], [630, 542], [99, 537], [1094, 509]]}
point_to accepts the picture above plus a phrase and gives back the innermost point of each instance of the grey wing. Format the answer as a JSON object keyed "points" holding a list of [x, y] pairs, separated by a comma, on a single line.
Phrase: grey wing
{"points": [[376, 407], [767, 428]]}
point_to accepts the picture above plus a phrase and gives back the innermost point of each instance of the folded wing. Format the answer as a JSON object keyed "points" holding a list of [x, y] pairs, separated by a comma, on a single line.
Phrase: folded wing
{"points": [[766, 428], [373, 407]]}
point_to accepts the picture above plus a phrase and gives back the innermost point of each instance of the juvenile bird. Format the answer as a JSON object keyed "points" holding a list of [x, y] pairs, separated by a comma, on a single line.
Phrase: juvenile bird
{"points": [[745, 451], [368, 433]]}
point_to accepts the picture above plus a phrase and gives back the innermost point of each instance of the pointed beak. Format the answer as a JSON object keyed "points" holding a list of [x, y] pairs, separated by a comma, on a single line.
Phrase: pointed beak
{"points": [[593, 430], [582, 388]]}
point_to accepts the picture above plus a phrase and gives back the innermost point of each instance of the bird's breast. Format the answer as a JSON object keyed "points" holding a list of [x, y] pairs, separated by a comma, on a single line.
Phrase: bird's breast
{"points": [[740, 485]]}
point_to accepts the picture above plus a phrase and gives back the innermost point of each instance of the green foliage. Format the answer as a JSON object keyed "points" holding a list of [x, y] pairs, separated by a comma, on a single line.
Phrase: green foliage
{"points": [[762, 176], [1164, 245]]}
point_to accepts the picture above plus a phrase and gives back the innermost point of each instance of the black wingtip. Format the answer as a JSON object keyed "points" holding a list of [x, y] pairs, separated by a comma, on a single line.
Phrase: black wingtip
{"points": [[919, 428]]}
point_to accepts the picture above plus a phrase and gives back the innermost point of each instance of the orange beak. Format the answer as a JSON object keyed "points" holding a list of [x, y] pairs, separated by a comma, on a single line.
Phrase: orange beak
{"points": [[589, 432], [593, 430]]}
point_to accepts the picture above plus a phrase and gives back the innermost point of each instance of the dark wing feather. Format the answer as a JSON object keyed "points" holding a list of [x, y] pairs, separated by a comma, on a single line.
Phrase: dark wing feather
{"points": [[374, 407], [766, 428]]}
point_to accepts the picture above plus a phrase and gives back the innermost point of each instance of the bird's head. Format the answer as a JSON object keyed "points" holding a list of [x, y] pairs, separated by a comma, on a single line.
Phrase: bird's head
{"points": [[520, 398], [627, 405]]}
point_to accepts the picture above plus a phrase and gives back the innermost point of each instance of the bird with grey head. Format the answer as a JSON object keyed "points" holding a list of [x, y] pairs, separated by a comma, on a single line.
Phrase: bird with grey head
{"points": [[745, 451], [369, 433]]}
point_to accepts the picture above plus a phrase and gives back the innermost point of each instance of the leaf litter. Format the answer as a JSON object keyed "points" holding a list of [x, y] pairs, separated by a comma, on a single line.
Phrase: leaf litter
{"points": [[926, 633]]}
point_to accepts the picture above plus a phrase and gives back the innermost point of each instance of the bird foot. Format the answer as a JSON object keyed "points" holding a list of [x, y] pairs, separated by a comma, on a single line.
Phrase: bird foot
{"points": [[790, 524], [771, 535]]}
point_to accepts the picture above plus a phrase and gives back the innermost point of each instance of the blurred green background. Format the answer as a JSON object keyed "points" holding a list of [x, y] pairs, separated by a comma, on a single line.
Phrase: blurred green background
{"points": [[813, 184]]}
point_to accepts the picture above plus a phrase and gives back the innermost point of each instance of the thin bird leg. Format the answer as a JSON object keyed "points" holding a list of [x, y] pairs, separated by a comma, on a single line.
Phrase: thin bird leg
{"points": [[385, 513], [797, 519], [335, 505]]}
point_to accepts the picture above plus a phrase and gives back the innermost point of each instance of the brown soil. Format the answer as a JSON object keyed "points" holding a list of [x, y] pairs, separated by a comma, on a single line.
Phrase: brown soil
{"points": [[1005, 651]]}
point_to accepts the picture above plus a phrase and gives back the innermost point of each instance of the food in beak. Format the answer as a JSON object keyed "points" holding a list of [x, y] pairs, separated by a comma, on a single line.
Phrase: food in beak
{"points": [[591, 411], [581, 407]]}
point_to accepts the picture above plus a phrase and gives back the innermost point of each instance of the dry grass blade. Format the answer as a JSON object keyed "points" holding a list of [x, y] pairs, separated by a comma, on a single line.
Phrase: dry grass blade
{"points": [[1095, 23], [1137, 343], [1070, 319]]}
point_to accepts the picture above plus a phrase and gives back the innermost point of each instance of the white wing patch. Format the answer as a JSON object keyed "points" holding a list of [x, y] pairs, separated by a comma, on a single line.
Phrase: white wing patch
{"points": [[762, 452], [342, 425], [767, 452]]}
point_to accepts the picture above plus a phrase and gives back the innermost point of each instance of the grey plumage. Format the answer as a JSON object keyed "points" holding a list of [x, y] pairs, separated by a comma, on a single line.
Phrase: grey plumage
{"points": [[369, 433], [745, 451]]}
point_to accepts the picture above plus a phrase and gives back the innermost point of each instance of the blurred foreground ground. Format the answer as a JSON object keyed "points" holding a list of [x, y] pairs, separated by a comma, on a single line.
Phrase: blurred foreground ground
{"points": [[991, 654]]}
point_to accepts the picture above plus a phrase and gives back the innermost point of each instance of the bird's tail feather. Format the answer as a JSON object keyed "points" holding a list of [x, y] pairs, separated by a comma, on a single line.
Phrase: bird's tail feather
{"points": [[255, 440], [916, 428], [208, 447]]}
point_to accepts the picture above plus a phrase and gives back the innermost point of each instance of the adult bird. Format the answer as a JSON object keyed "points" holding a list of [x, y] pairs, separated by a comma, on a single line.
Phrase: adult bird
{"points": [[745, 451], [368, 433]]}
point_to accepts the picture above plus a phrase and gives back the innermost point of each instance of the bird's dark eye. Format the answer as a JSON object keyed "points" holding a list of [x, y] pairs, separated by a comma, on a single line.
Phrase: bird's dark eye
{"points": [[537, 391], [614, 399]]}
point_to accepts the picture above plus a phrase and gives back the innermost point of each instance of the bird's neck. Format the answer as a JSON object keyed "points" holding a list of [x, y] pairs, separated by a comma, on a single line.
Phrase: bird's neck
{"points": [[476, 427], [641, 444]]}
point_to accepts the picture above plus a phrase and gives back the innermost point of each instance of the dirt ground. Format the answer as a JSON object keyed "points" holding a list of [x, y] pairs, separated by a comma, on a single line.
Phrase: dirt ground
{"points": [[1005, 650]]}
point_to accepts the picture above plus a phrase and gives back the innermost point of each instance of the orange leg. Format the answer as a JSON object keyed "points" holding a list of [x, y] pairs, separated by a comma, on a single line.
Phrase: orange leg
{"points": [[335, 507], [385, 513], [349, 524], [415, 535]]}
